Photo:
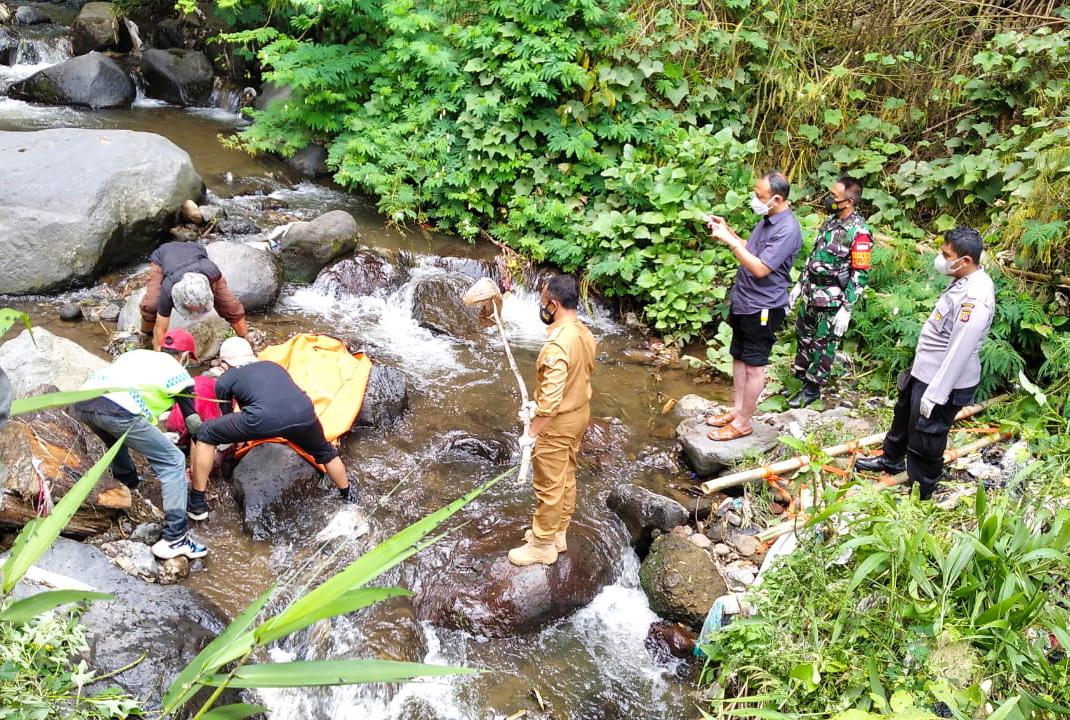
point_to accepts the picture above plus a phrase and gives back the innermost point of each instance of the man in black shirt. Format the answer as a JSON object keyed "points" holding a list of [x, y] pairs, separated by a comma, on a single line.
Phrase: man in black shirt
{"points": [[271, 405]]}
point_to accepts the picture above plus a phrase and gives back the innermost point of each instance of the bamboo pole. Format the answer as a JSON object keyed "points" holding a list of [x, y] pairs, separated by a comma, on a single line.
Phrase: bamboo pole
{"points": [[950, 456], [800, 462]]}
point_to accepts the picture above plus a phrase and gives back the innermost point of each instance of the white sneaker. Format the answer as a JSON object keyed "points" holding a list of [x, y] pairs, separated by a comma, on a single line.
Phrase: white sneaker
{"points": [[185, 545]]}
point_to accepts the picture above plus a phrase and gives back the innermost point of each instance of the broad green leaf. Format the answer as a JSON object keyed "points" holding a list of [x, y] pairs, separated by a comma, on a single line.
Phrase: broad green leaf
{"points": [[39, 534], [869, 566], [57, 399], [313, 673], [237, 711], [349, 602], [387, 554], [215, 654], [9, 317], [1005, 709], [760, 713], [29, 608]]}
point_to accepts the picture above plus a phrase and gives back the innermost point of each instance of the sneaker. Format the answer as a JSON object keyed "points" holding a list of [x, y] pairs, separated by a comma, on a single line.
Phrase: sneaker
{"points": [[197, 508], [185, 545]]}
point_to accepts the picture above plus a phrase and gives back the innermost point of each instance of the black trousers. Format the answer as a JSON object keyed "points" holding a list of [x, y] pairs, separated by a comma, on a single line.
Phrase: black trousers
{"points": [[921, 440]]}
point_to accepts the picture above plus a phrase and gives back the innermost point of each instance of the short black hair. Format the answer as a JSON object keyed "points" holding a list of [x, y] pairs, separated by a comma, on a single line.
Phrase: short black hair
{"points": [[778, 183], [851, 188], [565, 290], [966, 241]]}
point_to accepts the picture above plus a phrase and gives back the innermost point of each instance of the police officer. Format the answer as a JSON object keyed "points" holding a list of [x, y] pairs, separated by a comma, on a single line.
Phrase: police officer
{"points": [[559, 417], [832, 281], [946, 366]]}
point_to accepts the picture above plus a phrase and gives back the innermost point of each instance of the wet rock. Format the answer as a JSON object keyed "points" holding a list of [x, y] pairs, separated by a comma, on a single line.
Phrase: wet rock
{"points": [[643, 512], [392, 631], [307, 247], [690, 406], [269, 483], [681, 580], [271, 92], [472, 268], [602, 441], [707, 457], [180, 77], [169, 33], [173, 570], [133, 558], [458, 445], [670, 640], [437, 306], [29, 15], [478, 590], [41, 359], [237, 226], [92, 80], [254, 275], [211, 213], [71, 312], [147, 533], [164, 627], [99, 27], [386, 398], [310, 160], [130, 314], [366, 272], [120, 191], [109, 313]]}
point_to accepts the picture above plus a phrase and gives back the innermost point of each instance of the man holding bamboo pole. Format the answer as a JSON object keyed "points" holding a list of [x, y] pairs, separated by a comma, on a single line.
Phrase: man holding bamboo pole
{"points": [[946, 367], [559, 417]]}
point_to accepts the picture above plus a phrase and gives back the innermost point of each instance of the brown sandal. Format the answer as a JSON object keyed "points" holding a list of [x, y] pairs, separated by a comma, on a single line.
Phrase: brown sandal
{"points": [[720, 420], [728, 432]]}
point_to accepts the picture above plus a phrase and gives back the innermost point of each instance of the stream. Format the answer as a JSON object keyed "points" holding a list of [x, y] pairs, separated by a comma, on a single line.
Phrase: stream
{"points": [[590, 665]]}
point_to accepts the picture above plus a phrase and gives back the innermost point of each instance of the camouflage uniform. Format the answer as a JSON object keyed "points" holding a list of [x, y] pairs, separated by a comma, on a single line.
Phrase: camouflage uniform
{"points": [[834, 276]]}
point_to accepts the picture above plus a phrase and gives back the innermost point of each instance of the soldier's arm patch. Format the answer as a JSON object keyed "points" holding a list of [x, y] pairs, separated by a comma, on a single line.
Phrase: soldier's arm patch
{"points": [[965, 311], [861, 251]]}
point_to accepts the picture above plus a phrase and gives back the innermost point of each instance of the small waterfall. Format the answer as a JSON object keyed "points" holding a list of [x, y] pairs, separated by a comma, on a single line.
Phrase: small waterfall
{"points": [[42, 51], [229, 97]]}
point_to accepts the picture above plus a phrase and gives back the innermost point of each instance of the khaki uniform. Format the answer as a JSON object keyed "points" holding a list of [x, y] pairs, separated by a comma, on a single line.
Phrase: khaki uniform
{"points": [[562, 392]]}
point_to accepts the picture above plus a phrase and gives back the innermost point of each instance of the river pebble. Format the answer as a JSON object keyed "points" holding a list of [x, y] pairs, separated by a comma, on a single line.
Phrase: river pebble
{"points": [[71, 312]]}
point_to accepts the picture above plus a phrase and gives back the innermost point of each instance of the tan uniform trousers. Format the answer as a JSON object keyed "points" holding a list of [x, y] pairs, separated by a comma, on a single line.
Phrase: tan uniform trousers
{"points": [[553, 461]]}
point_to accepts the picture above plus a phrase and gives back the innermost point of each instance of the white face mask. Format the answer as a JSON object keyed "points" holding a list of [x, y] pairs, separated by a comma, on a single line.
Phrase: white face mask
{"points": [[943, 266], [758, 206]]}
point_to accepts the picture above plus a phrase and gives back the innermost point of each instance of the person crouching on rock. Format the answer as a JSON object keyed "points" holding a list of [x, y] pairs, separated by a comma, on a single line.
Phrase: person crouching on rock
{"points": [[155, 380], [270, 405], [561, 412], [182, 275]]}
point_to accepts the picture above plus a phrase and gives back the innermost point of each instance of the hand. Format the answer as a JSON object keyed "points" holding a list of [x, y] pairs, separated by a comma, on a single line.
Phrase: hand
{"points": [[527, 412], [525, 441], [840, 322], [719, 229], [794, 295], [926, 407]]}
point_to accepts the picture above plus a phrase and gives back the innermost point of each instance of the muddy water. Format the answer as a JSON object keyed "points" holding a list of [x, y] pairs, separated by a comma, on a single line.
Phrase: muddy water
{"points": [[591, 665]]}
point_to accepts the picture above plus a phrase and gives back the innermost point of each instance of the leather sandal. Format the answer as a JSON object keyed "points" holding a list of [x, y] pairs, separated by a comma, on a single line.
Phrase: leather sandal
{"points": [[720, 420], [728, 432]]}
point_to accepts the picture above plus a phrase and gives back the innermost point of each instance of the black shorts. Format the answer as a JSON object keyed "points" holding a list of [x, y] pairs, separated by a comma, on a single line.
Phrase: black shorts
{"points": [[752, 342], [235, 428]]}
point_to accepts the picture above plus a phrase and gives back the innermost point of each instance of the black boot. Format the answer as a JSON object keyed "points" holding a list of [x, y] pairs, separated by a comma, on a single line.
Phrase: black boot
{"points": [[880, 464], [809, 393]]}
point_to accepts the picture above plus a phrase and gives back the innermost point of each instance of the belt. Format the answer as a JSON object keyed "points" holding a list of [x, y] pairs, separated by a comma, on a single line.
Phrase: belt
{"points": [[825, 282]]}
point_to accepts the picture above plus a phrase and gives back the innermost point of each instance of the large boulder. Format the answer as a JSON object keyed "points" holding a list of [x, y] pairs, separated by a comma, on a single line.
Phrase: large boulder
{"points": [[643, 512], [308, 246], [93, 80], [99, 27], [707, 457], [437, 306], [119, 193], [29, 15], [150, 630], [479, 591], [38, 359], [270, 482], [253, 274], [681, 580], [46, 453], [385, 399], [180, 77], [271, 92], [310, 160], [366, 272]]}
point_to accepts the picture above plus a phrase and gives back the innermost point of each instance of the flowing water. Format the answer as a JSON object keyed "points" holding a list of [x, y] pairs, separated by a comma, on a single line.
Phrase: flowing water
{"points": [[589, 665]]}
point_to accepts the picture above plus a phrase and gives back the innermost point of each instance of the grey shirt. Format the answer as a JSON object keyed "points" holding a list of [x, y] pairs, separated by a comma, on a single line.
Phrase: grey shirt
{"points": [[947, 357], [775, 240]]}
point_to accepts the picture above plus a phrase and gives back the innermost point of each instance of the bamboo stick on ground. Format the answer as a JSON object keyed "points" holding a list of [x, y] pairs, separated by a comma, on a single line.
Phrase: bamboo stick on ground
{"points": [[802, 461]]}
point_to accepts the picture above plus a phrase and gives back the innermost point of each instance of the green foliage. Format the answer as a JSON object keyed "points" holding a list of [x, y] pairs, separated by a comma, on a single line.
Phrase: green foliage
{"points": [[908, 602], [38, 678]]}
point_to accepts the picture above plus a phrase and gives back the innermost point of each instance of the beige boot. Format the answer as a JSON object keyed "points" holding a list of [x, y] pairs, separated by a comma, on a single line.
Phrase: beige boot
{"points": [[538, 551], [560, 544]]}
